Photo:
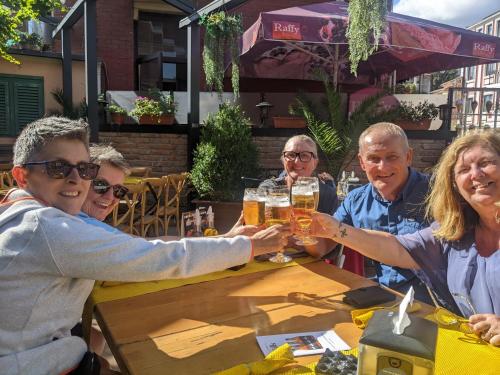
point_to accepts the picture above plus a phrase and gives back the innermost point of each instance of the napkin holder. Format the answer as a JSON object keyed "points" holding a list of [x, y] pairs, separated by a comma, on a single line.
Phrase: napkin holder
{"points": [[383, 352]]}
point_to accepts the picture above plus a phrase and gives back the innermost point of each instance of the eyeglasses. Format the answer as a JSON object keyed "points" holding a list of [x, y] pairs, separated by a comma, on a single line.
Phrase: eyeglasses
{"points": [[102, 186], [61, 169], [304, 156]]}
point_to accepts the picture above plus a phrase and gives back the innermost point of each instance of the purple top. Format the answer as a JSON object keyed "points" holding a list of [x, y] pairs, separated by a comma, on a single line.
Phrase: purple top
{"points": [[457, 268]]}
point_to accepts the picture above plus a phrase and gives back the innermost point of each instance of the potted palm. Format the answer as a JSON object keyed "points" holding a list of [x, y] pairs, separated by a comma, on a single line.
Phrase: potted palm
{"points": [[146, 110], [117, 113], [416, 116], [224, 154]]}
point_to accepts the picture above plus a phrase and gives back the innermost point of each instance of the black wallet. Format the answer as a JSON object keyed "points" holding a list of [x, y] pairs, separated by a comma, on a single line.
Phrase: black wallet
{"points": [[366, 297]]}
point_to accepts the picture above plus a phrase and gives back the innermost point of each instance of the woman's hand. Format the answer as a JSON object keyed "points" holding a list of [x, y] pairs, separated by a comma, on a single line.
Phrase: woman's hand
{"points": [[240, 229], [270, 239], [487, 326]]}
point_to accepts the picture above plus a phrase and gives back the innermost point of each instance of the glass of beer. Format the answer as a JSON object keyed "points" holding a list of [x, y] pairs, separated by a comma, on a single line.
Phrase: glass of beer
{"points": [[315, 188], [303, 206], [254, 206], [277, 210]]}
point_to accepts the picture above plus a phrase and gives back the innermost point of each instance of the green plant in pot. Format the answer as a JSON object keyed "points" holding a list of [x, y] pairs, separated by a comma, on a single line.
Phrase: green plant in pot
{"points": [[416, 116], [168, 106], [336, 134], [118, 114], [146, 110], [222, 32], [224, 154]]}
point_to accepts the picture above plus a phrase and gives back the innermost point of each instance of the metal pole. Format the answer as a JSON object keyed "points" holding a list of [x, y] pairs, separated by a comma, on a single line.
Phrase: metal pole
{"points": [[194, 71], [67, 65], [91, 67]]}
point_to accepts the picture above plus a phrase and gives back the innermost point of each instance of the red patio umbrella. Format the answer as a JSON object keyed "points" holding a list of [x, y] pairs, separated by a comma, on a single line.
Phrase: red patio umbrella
{"points": [[290, 43]]}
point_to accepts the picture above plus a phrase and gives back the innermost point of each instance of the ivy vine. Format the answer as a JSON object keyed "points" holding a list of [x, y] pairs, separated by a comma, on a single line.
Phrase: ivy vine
{"points": [[222, 31], [366, 22]]}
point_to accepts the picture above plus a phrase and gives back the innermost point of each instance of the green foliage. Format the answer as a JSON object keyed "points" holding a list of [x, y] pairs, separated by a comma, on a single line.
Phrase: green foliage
{"points": [[416, 113], [222, 32], [366, 25], [145, 107], [69, 110], [225, 153], [113, 108], [406, 88], [168, 106], [335, 135], [12, 15], [31, 41], [441, 77]]}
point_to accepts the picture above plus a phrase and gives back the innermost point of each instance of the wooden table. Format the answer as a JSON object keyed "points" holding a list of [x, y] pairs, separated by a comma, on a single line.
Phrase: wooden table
{"points": [[207, 327]]}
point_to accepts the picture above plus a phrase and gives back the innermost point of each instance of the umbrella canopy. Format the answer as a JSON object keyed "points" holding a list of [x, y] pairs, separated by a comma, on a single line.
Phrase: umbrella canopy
{"points": [[291, 43]]}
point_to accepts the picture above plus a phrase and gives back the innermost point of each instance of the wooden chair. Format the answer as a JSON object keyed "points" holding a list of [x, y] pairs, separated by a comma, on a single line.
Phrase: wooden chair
{"points": [[151, 208], [6, 180], [174, 185], [126, 214], [140, 172]]}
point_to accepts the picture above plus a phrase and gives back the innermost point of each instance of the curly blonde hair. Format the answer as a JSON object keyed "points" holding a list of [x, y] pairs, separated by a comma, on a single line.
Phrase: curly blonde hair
{"points": [[444, 203]]}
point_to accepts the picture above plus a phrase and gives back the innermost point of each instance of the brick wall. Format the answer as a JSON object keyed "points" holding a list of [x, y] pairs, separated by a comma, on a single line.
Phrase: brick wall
{"points": [[165, 153]]}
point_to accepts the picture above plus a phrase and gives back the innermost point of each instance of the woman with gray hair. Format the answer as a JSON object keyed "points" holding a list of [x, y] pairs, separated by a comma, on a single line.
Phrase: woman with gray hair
{"points": [[49, 258]]}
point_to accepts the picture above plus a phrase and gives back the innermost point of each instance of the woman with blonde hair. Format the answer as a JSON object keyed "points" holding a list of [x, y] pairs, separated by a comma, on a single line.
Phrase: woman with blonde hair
{"points": [[457, 256]]}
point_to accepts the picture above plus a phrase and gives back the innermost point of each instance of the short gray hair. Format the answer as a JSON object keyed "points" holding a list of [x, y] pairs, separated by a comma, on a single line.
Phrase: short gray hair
{"points": [[102, 153], [384, 128], [36, 135], [302, 138]]}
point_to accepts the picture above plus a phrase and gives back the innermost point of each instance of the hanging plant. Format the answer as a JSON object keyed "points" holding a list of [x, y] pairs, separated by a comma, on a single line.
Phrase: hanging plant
{"points": [[366, 21], [222, 31]]}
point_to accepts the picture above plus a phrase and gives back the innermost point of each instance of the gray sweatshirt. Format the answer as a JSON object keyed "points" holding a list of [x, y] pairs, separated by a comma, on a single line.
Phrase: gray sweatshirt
{"points": [[48, 263]]}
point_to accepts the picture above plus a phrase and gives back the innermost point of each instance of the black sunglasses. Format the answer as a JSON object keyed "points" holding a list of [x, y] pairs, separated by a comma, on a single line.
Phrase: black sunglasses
{"points": [[304, 156], [102, 186], [61, 169]]}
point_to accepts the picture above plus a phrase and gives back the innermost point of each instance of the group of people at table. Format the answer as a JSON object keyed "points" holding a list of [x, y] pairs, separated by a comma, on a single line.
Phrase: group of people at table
{"points": [[440, 236]]}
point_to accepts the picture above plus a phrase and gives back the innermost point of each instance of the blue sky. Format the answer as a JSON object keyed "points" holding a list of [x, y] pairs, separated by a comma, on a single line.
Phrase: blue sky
{"points": [[461, 13]]}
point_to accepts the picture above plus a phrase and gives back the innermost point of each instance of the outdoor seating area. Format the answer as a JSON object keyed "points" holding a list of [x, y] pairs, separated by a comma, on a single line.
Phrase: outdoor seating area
{"points": [[246, 187]]}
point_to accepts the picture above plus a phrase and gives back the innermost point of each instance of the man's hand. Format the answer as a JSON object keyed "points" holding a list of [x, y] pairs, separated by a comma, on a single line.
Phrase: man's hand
{"points": [[323, 225], [270, 239], [487, 326]]}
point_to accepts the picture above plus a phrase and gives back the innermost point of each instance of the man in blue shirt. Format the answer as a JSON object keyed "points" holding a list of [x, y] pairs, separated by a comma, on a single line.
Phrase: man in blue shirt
{"points": [[392, 201]]}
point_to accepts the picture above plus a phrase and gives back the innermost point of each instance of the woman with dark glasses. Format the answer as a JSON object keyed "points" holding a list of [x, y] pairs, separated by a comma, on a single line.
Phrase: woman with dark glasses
{"points": [[49, 258], [106, 189]]}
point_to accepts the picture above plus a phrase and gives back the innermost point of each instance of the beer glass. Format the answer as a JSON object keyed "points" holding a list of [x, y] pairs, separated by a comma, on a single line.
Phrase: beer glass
{"points": [[254, 206], [277, 211], [303, 207], [315, 188]]}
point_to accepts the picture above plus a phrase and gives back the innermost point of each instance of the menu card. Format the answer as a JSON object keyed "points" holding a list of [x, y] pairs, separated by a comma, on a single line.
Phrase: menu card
{"points": [[304, 343]]}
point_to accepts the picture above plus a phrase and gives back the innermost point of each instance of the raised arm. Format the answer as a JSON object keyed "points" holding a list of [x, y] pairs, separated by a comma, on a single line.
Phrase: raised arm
{"points": [[380, 246]]}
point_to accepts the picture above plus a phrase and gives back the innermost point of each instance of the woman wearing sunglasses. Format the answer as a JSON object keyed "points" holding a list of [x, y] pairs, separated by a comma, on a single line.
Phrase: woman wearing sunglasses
{"points": [[458, 256], [49, 258], [107, 188]]}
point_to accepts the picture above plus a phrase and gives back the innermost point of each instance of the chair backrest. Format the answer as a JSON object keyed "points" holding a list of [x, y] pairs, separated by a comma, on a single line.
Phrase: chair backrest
{"points": [[174, 184], [152, 202], [140, 171], [125, 213]]}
